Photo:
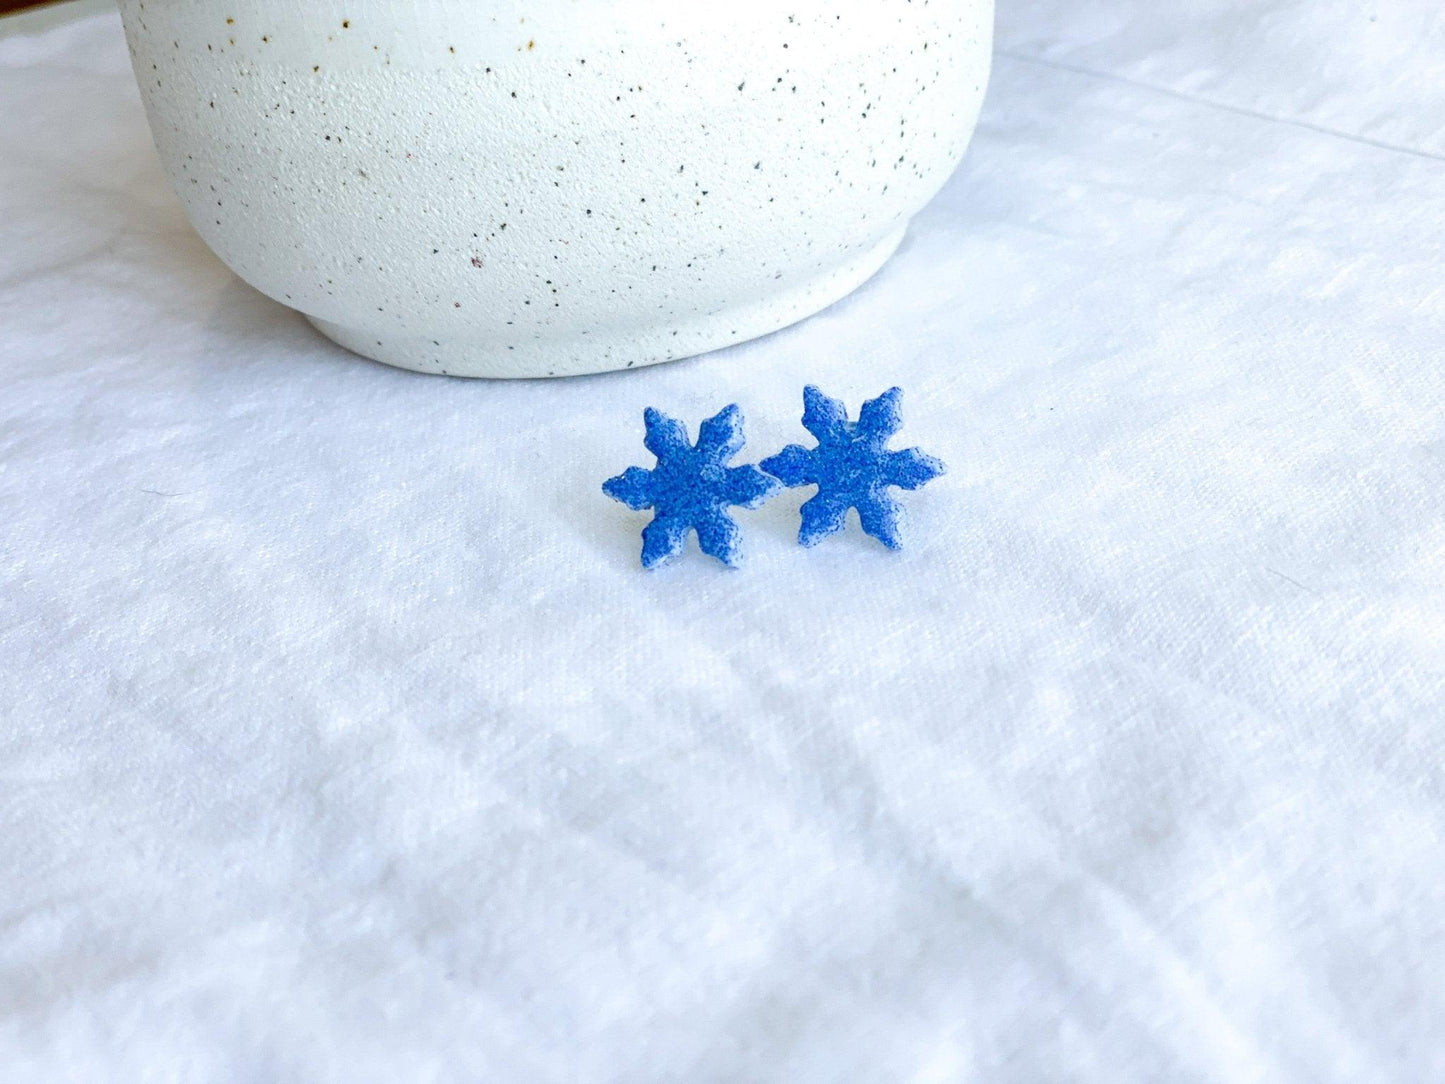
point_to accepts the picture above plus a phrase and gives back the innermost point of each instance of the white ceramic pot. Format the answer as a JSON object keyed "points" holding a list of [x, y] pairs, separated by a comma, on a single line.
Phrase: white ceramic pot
{"points": [[549, 187]]}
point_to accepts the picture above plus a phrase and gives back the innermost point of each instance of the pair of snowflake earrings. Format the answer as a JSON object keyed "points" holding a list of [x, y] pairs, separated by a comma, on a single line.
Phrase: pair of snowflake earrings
{"points": [[692, 486]]}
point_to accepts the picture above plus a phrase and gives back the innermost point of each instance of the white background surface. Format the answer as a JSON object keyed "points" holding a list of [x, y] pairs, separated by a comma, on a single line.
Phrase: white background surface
{"points": [[341, 737]]}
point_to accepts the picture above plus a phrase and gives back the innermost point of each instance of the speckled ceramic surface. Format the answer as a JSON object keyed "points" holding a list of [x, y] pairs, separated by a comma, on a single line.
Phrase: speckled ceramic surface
{"points": [[552, 187]]}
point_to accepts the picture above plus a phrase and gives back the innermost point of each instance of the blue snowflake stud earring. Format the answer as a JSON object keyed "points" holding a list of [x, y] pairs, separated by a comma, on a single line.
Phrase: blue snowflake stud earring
{"points": [[852, 467], [692, 487]]}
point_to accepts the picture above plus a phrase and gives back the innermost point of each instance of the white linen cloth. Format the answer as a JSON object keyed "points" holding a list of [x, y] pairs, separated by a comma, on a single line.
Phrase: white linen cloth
{"points": [[342, 738]]}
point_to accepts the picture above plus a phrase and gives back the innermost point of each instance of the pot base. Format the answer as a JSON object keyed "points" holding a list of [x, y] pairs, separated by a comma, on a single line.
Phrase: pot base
{"points": [[607, 350]]}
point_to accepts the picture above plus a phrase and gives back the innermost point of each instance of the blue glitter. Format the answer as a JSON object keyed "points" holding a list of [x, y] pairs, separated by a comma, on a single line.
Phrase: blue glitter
{"points": [[692, 487], [852, 467]]}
